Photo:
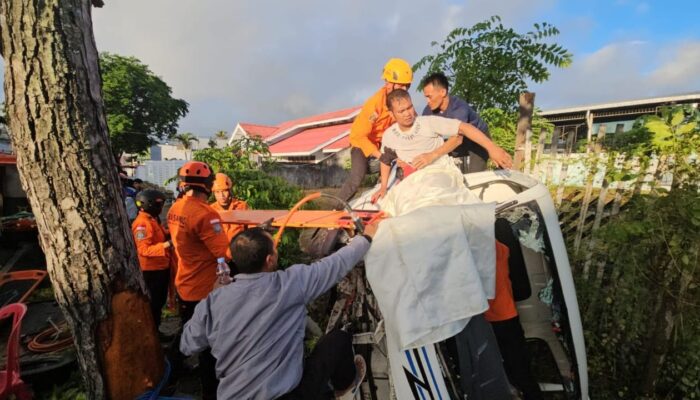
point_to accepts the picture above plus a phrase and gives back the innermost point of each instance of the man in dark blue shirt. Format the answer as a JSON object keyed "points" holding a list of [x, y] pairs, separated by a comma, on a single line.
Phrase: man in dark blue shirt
{"points": [[435, 88]]}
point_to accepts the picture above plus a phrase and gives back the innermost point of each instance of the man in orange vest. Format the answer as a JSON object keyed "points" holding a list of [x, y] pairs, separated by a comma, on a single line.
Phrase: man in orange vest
{"points": [[201, 245], [369, 125], [153, 248], [226, 202]]}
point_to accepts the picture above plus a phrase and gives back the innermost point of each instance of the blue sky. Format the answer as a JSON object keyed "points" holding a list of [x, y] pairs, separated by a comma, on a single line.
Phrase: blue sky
{"points": [[267, 61]]}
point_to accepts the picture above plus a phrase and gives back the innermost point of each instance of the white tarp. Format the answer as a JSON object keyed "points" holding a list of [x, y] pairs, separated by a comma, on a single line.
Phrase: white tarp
{"points": [[433, 268], [440, 183]]}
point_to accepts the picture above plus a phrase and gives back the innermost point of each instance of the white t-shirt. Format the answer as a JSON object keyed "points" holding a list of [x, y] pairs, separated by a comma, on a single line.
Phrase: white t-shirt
{"points": [[426, 135]]}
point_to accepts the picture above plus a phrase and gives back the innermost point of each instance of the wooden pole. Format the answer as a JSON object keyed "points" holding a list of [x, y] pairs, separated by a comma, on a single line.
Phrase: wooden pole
{"points": [[527, 105]]}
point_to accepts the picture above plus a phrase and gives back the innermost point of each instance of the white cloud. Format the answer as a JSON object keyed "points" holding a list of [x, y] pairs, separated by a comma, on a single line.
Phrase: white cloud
{"points": [[623, 71], [267, 61]]}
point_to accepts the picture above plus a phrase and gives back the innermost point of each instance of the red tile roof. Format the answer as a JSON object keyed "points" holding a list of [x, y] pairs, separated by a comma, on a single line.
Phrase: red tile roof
{"points": [[345, 113], [339, 144], [263, 131], [308, 140]]}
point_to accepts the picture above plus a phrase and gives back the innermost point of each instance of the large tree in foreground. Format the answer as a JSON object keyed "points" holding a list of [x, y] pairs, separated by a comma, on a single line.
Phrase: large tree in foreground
{"points": [[140, 108], [59, 132], [489, 65]]}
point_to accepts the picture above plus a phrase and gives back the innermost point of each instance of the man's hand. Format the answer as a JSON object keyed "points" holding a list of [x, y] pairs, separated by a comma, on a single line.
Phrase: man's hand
{"points": [[423, 160], [167, 244], [371, 229], [378, 195], [501, 157]]}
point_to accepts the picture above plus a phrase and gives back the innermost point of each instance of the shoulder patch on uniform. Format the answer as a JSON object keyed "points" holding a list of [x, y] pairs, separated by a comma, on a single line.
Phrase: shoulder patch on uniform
{"points": [[216, 225], [141, 228], [140, 234]]}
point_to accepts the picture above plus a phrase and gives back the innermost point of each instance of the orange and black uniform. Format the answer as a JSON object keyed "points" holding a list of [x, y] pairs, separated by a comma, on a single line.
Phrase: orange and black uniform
{"points": [[199, 240], [503, 316], [231, 229], [154, 259], [366, 138]]}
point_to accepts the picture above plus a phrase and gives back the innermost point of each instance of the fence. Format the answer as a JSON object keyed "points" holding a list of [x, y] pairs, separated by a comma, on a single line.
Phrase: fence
{"points": [[583, 189]]}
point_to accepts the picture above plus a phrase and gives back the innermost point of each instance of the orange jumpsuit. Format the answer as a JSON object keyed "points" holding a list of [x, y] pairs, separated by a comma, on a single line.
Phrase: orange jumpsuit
{"points": [[199, 240], [150, 237], [502, 307], [231, 229], [369, 125]]}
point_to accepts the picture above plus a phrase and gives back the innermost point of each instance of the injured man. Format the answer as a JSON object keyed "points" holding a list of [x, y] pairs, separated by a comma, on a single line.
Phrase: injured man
{"points": [[432, 266], [417, 144]]}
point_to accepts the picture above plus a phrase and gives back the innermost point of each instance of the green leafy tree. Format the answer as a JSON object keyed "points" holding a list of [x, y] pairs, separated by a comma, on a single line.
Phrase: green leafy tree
{"points": [[489, 65], [641, 310], [248, 165], [186, 140], [211, 143], [502, 126], [140, 108]]}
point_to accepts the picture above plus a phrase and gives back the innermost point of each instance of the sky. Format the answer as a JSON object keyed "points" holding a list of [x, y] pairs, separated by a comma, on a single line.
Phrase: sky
{"points": [[264, 62]]}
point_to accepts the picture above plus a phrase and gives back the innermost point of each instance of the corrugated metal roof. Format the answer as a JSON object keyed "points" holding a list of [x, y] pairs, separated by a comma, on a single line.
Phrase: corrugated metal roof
{"points": [[627, 103]]}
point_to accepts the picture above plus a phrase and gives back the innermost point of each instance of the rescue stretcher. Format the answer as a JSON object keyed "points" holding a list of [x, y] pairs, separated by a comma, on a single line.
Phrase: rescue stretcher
{"points": [[550, 315]]}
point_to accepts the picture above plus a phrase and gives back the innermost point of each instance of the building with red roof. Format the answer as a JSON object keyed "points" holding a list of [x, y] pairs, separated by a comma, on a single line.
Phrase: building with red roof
{"points": [[305, 140]]}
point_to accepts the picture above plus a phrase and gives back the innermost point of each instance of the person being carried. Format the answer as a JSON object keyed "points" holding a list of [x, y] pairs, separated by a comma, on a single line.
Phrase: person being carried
{"points": [[439, 102], [222, 189], [258, 344], [418, 141]]}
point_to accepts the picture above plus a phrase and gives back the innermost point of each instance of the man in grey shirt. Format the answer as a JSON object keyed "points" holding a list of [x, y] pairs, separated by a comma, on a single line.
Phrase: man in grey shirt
{"points": [[255, 325]]}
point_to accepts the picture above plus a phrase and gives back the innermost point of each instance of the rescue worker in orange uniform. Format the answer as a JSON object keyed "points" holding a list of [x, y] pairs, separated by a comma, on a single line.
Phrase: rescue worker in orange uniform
{"points": [[201, 245], [153, 248], [369, 125], [503, 316], [226, 202]]}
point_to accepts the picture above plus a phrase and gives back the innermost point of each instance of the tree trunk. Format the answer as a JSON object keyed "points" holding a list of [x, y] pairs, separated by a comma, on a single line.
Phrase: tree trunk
{"points": [[58, 129]]}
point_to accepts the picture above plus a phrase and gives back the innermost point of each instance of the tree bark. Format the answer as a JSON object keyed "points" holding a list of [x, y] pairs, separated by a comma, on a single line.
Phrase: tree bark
{"points": [[59, 134]]}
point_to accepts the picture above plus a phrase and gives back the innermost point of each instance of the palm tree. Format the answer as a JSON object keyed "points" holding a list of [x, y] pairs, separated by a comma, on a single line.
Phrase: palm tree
{"points": [[221, 135], [186, 139], [212, 143]]}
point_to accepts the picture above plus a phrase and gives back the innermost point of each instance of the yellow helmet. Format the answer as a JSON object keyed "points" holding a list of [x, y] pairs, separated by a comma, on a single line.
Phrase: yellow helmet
{"points": [[221, 182], [398, 71]]}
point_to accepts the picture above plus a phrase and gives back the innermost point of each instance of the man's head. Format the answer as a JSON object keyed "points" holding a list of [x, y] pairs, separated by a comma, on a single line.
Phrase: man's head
{"points": [[222, 189], [397, 74], [138, 184], [399, 104], [196, 176], [253, 251], [435, 88]]}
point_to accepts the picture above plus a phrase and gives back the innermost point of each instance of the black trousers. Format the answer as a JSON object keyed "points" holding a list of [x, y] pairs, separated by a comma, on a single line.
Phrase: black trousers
{"points": [[157, 283], [516, 360], [332, 360], [207, 362], [358, 169]]}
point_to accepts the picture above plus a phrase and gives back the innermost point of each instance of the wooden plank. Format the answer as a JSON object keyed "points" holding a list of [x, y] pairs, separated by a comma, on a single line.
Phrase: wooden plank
{"points": [[300, 219], [527, 105]]}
